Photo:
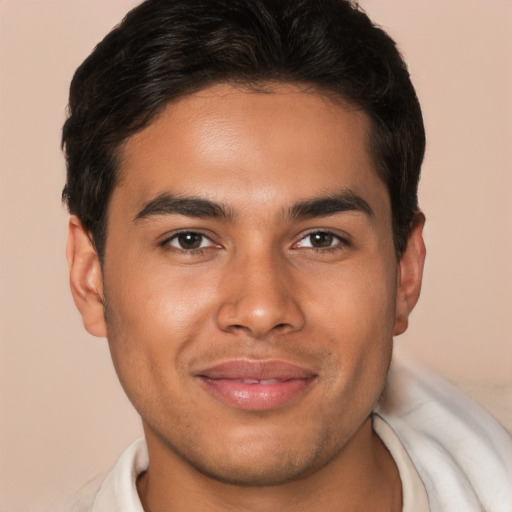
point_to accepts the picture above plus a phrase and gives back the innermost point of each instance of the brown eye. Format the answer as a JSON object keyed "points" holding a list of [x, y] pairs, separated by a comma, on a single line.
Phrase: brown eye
{"points": [[189, 240], [321, 239]]}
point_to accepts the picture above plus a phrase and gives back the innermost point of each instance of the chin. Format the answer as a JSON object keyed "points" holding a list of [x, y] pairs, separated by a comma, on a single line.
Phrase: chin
{"points": [[259, 459], [256, 471]]}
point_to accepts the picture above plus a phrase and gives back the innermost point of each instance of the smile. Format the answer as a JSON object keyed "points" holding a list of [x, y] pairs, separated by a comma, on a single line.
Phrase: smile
{"points": [[256, 385], [256, 381]]}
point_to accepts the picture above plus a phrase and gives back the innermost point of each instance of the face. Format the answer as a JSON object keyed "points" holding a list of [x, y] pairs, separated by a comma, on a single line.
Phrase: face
{"points": [[251, 284]]}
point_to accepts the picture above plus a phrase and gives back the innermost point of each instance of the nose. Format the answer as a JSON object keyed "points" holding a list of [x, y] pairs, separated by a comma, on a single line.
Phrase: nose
{"points": [[259, 297]]}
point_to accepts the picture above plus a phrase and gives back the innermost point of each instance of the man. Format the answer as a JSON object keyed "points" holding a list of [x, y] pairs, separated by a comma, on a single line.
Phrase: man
{"points": [[242, 179]]}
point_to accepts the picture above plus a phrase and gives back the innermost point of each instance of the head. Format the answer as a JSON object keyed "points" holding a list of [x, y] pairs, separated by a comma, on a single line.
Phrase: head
{"points": [[164, 50], [243, 177]]}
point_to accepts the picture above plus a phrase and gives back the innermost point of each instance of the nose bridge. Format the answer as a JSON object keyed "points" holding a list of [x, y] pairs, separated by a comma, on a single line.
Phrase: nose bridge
{"points": [[258, 296]]}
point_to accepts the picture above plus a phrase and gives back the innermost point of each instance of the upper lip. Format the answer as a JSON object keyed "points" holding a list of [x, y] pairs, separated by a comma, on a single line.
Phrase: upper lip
{"points": [[257, 370]]}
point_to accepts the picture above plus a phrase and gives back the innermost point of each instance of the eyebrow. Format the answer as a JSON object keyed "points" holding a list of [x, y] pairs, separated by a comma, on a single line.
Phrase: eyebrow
{"points": [[344, 201], [168, 204]]}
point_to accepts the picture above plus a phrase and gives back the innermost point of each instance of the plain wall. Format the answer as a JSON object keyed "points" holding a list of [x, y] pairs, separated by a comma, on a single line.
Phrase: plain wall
{"points": [[64, 418]]}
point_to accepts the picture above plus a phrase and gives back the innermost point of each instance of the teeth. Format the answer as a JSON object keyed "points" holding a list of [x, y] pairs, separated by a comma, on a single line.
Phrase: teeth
{"points": [[256, 381]]}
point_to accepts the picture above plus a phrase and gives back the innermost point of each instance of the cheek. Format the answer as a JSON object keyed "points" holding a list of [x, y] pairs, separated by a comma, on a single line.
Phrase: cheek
{"points": [[159, 298], [359, 299], [153, 316], [358, 315]]}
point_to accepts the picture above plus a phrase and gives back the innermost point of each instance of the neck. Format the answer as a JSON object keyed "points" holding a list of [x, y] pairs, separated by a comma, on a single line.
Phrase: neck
{"points": [[363, 476]]}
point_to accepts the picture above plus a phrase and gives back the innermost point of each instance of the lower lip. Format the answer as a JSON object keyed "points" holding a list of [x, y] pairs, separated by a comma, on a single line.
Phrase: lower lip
{"points": [[256, 397]]}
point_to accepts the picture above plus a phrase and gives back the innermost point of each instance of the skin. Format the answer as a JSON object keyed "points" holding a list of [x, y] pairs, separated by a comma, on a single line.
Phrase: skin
{"points": [[256, 288]]}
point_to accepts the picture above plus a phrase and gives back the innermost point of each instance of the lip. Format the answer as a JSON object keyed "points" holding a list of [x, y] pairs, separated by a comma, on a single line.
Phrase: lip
{"points": [[256, 385]]}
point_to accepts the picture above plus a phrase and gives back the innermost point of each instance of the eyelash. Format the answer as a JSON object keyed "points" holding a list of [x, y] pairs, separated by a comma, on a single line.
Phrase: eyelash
{"points": [[342, 243], [166, 244]]}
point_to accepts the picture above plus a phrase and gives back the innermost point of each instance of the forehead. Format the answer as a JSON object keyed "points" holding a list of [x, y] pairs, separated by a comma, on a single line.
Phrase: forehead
{"points": [[236, 145]]}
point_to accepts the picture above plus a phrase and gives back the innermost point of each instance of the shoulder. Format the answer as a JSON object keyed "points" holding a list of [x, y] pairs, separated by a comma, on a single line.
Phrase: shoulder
{"points": [[462, 454], [118, 491]]}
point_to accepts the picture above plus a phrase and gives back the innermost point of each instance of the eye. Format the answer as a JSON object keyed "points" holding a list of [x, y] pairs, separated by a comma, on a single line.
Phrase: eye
{"points": [[321, 240], [189, 241]]}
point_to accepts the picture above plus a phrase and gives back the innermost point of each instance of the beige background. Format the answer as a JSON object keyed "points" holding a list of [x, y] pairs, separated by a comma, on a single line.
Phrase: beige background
{"points": [[64, 418]]}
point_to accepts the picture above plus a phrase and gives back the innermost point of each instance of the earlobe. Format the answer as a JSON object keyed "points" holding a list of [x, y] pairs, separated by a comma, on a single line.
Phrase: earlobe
{"points": [[85, 278], [410, 274]]}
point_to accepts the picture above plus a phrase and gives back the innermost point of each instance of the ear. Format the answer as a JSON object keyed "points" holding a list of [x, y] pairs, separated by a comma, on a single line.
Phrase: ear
{"points": [[410, 274], [85, 278]]}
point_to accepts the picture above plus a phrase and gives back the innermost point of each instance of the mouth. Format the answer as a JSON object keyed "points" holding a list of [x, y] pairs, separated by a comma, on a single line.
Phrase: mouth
{"points": [[256, 385]]}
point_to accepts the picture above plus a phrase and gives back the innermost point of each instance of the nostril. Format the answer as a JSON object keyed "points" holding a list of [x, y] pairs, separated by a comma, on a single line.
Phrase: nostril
{"points": [[249, 313], [237, 327], [240, 327]]}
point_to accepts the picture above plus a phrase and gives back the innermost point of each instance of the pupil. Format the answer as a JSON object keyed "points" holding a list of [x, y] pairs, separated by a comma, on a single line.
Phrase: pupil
{"points": [[321, 240], [190, 240]]}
